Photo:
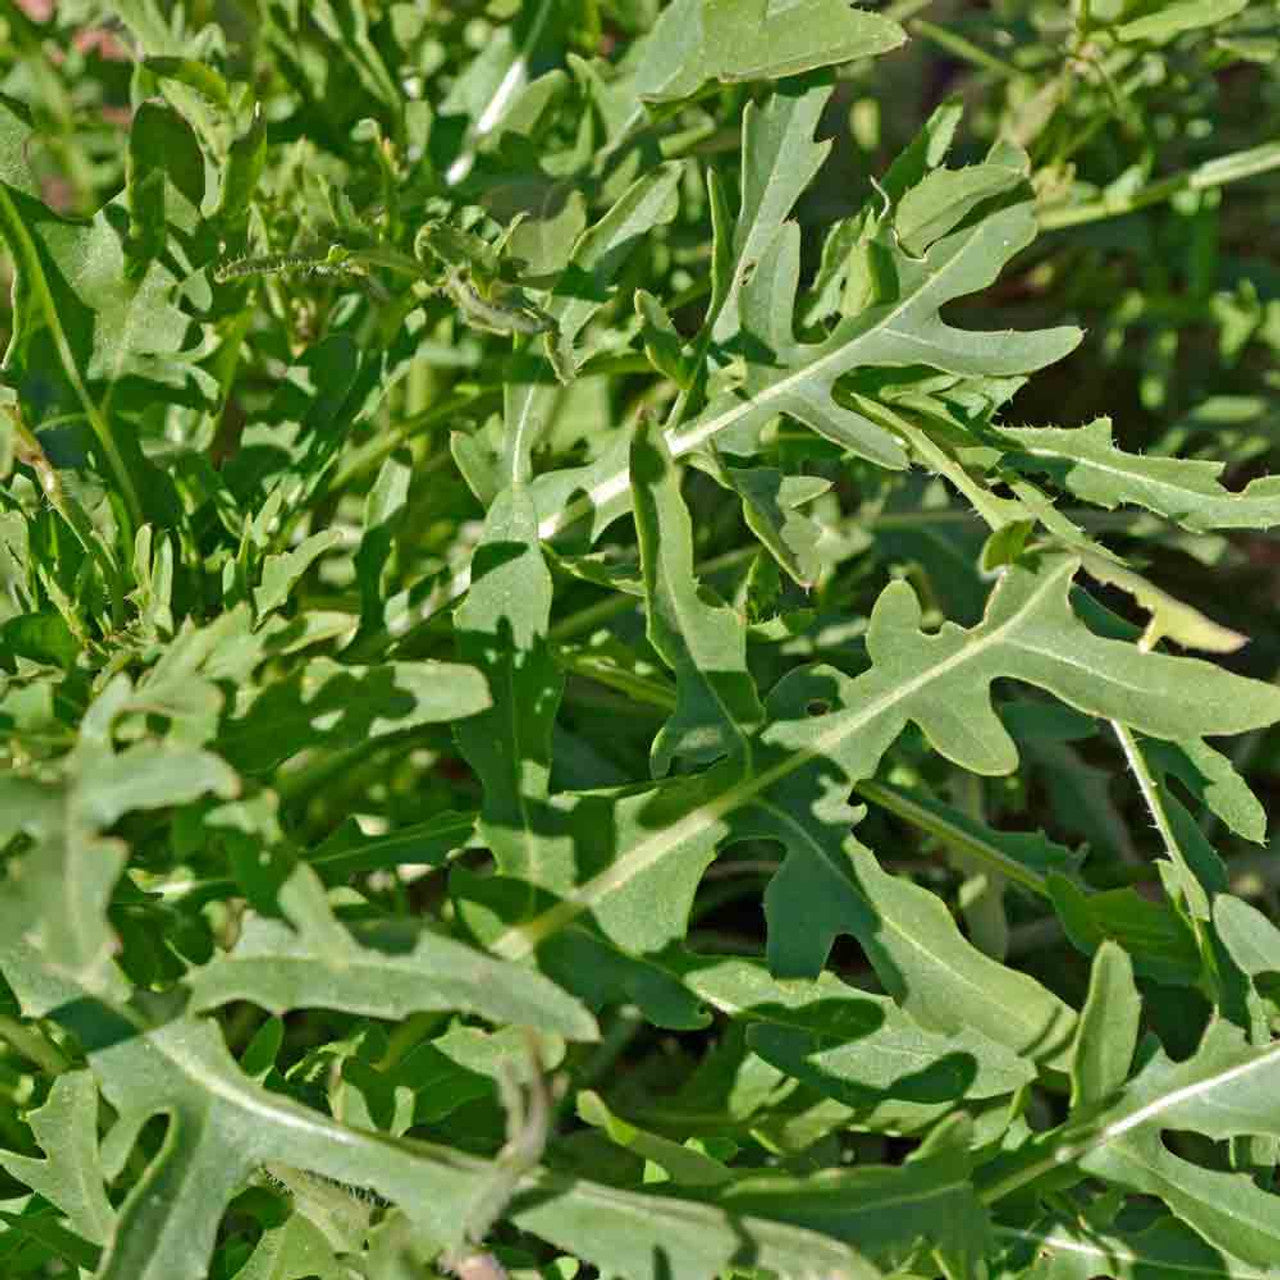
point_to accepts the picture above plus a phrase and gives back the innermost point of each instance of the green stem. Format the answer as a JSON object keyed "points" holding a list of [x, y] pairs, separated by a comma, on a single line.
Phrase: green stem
{"points": [[373, 452], [1204, 177], [31, 453], [905, 9], [613, 606], [1150, 789], [33, 1045], [28, 257], [964, 49], [997, 512], [902, 806], [654, 693]]}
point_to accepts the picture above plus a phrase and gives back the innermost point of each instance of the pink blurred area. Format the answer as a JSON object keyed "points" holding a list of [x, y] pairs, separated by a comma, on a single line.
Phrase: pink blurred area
{"points": [[92, 40]]}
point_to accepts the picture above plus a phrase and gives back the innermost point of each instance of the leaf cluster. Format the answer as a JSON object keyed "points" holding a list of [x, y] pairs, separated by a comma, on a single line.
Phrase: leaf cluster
{"points": [[638, 640]]}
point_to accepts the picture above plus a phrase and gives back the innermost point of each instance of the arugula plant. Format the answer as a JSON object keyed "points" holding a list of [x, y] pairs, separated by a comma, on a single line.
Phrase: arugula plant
{"points": [[556, 714]]}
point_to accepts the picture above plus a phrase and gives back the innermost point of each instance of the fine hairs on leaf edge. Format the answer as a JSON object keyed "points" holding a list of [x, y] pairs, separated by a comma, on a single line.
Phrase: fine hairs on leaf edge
{"points": [[333, 264]]}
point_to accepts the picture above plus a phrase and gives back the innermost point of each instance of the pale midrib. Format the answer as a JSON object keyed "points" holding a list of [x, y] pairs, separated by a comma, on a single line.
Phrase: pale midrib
{"points": [[285, 1114], [344, 962], [517, 941], [679, 444], [1118, 1252], [942, 1191], [1192, 498], [520, 455], [1187, 1093]]}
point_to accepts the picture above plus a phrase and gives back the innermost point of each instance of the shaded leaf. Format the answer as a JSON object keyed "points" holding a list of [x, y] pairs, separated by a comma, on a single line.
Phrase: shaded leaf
{"points": [[502, 629], [599, 254], [702, 640], [231, 1126], [1107, 1032], [325, 702]]}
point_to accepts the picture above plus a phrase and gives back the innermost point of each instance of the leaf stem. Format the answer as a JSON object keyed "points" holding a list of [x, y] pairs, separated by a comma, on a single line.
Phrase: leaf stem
{"points": [[902, 806], [615, 605], [1194, 911], [25, 249], [1204, 177], [31, 453], [964, 49], [33, 1045], [995, 511]]}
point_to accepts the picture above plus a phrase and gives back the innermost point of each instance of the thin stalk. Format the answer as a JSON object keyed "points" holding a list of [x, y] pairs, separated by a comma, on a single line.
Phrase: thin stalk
{"points": [[373, 452], [31, 453], [1150, 790], [622, 1029], [1001, 864], [964, 49], [33, 1045], [24, 249], [637, 688], [905, 9], [1204, 177], [986, 504]]}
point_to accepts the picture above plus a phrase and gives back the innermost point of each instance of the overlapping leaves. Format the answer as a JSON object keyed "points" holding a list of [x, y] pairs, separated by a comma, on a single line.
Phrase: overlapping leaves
{"points": [[219, 723]]}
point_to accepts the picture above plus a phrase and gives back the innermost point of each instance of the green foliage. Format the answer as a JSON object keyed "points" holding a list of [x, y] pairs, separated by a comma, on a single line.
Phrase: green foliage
{"points": [[638, 637]]}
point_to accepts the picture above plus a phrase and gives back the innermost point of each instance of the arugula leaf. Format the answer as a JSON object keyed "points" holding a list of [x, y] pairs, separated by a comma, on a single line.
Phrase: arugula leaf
{"points": [[702, 640], [695, 40], [502, 629], [71, 1175], [1084, 461]]}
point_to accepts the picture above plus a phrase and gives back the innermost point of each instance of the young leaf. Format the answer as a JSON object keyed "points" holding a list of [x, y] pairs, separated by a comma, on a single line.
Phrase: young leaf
{"points": [[1108, 1029], [280, 573], [779, 160], [598, 257]]}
